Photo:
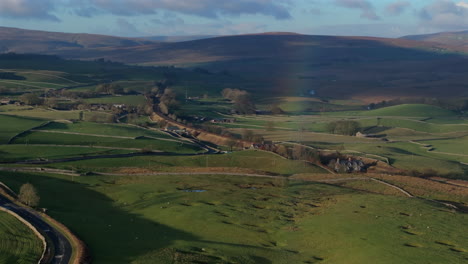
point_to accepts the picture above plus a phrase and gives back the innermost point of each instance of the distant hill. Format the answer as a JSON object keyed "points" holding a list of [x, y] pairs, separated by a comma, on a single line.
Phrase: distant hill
{"points": [[33, 41], [457, 40], [177, 38], [282, 63]]}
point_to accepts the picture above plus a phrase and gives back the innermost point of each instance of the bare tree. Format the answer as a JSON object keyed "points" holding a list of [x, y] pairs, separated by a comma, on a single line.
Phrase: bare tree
{"points": [[28, 195]]}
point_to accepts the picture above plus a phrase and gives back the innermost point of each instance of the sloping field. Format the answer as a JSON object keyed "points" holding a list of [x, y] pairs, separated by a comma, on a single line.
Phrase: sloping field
{"points": [[15, 152], [233, 219], [104, 129], [11, 126], [414, 110], [18, 244], [44, 137]]}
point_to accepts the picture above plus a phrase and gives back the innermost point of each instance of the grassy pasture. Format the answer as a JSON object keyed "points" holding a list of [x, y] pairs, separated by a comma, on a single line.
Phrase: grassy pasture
{"points": [[18, 244], [104, 129], [248, 160], [37, 112], [411, 110], [9, 153], [139, 219], [12, 125], [456, 145], [103, 141]]}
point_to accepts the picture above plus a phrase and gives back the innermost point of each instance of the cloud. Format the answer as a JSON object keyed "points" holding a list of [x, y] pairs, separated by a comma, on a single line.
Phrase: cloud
{"points": [[126, 28], [397, 7], [367, 9], [28, 9], [169, 20], [445, 15], [278, 9], [374, 30], [462, 4]]}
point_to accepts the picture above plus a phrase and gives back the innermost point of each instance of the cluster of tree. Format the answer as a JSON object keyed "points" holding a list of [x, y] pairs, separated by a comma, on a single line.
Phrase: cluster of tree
{"points": [[249, 135], [343, 127], [109, 88], [296, 152], [168, 102], [31, 99], [243, 103]]}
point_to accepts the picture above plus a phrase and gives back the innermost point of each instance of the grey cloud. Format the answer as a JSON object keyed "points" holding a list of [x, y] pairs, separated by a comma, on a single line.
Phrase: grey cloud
{"points": [[397, 7], [169, 20], [367, 9], [204, 8], [125, 28], [28, 9], [444, 15]]}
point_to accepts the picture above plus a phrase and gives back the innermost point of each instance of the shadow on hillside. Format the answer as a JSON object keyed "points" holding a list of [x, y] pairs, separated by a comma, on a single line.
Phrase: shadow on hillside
{"points": [[112, 235]]}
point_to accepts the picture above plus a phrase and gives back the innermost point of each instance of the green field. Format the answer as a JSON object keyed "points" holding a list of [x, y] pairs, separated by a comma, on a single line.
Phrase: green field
{"points": [[12, 125], [18, 244], [138, 219], [15, 152], [257, 161], [104, 129], [415, 110], [103, 141]]}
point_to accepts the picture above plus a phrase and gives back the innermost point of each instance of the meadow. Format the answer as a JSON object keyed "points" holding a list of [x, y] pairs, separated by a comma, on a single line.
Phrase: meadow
{"points": [[234, 219], [18, 244], [11, 126]]}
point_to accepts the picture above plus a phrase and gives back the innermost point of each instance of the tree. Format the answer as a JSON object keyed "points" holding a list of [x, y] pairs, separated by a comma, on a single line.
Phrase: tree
{"points": [[231, 143], [247, 135], [31, 99], [344, 127], [276, 110], [244, 105], [28, 195]]}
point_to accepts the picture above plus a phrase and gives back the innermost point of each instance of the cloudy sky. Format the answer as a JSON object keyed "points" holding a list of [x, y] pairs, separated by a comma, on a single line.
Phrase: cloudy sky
{"points": [[386, 18]]}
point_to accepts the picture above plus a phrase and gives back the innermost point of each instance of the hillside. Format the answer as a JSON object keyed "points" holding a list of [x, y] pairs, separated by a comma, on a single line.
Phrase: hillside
{"points": [[284, 64], [420, 110], [32, 41], [458, 40], [177, 38]]}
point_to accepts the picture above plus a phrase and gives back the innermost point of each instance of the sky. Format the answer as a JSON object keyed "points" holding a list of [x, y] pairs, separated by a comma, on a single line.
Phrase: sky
{"points": [[134, 18]]}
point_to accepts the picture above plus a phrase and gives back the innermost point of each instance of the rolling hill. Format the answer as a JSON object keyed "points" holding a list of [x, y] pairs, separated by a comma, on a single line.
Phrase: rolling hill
{"points": [[457, 40], [284, 64], [33, 41]]}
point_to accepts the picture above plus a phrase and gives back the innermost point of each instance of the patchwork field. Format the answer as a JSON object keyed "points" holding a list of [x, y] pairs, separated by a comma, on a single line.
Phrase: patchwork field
{"points": [[248, 220]]}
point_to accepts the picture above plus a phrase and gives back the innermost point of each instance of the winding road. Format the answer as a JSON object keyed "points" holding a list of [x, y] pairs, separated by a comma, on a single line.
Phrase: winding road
{"points": [[61, 247]]}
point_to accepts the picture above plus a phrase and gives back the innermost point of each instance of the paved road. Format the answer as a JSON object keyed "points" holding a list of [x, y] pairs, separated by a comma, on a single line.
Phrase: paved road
{"points": [[61, 246]]}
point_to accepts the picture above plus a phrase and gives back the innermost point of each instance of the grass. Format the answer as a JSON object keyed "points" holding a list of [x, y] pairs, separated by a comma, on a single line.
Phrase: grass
{"points": [[418, 110], [42, 113], [12, 125], [103, 141], [10, 153], [140, 219], [104, 129], [18, 244], [251, 161]]}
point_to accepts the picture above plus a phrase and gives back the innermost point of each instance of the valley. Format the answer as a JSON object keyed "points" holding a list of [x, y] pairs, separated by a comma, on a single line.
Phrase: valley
{"points": [[298, 149]]}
